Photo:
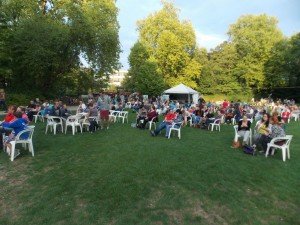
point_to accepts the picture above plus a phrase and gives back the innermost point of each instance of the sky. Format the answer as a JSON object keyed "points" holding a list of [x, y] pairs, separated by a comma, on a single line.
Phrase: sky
{"points": [[210, 18]]}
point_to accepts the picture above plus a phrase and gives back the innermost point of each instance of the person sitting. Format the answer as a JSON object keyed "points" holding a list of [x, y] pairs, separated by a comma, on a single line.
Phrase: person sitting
{"points": [[276, 131], [168, 120], [82, 107], [24, 115], [93, 112], [285, 115], [17, 125], [244, 129], [141, 116], [228, 116], [10, 116], [64, 112], [263, 130], [31, 110], [150, 115], [177, 122]]}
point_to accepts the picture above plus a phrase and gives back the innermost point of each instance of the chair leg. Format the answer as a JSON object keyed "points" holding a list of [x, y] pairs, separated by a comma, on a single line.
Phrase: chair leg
{"points": [[283, 154], [179, 134], [30, 145], [12, 150], [288, 152], [54, 129], [73, 130], [169, 135], [46, 129], [267, 152]]}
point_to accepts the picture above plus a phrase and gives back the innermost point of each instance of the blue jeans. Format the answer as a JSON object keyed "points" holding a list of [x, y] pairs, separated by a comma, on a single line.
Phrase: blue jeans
{"points": [[161, 126]]}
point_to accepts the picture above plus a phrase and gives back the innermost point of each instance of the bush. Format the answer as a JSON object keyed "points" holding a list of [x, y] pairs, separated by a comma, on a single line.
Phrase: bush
{"points": [[19, 99]]}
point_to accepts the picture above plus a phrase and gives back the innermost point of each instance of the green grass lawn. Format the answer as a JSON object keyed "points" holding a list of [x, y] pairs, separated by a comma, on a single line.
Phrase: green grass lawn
{"points": [[125, 176]]}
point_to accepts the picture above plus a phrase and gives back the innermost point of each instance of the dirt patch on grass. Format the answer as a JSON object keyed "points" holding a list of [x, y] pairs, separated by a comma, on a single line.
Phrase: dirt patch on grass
{"points": [[212, 216]]}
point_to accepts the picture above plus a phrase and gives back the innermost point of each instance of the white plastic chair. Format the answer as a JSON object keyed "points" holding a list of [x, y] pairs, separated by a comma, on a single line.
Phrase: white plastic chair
{"points": [[123, 115], [285, 148], [152, 122], [178, 129], [73, 121], [38, 116], [53, 122], [113, 115], [26, 141], [237, 136], [216, 124], [295, 115]]}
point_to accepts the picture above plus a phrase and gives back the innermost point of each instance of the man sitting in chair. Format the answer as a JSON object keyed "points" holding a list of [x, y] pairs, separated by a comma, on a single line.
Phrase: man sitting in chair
{"points": [[169, 118], [244, 129]]}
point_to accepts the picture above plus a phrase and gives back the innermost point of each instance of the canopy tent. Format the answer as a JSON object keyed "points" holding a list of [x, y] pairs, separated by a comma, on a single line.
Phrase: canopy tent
{"points": [[181, 89]]}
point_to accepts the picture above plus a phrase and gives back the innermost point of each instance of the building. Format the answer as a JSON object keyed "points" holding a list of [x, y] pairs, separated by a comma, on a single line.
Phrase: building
{"points": [[116, 78]]}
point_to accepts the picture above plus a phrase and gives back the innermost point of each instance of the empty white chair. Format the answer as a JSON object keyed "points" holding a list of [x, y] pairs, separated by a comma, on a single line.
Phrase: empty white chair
{"points": [[53, 122], [216, 124], [175, 127], [123, 115], [113, 115], [237, 136], [19, 140], [38, 116], [73, 121], [285, 148]]}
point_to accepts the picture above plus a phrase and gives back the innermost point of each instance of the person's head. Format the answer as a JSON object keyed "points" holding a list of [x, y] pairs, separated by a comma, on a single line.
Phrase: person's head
{"points": [[21, 109], [153, 107], [12, 109], [265, 117], [178, 111], [245, 118], [18, 114]]}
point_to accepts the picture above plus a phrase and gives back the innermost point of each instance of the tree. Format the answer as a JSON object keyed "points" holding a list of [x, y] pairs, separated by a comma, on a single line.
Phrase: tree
{"points": [[254, 37], [45, 39], [172, 44], [217, 75], [143, 75]]}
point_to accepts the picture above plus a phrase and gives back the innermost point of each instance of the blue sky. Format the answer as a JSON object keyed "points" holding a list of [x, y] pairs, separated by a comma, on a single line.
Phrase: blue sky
{"points": [[210, 18]]}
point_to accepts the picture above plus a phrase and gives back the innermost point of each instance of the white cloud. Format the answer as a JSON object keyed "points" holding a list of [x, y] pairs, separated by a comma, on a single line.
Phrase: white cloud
{"points": [[209, 40]]}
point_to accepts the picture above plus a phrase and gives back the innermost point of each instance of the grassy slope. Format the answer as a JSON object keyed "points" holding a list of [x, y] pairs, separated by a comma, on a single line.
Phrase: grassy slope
{"points": [[125, 176]]}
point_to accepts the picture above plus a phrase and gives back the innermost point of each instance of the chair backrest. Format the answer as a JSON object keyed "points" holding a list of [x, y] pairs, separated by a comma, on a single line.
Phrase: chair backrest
{"points": [[50, 120], [72, 119], [217, 121], [21, 133]]}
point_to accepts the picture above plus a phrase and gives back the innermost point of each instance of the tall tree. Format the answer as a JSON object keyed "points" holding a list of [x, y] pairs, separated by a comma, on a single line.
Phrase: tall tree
{"points": [[172, 44], [254, 37], [143, 75], [47, 39]]}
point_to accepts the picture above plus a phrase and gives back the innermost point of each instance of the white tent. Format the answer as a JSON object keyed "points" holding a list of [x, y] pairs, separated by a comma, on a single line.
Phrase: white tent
{"points": [[181, 89]]}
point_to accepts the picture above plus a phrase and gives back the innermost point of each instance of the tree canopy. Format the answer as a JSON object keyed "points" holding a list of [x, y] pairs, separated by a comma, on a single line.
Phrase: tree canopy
{"points": [[43, 42]]}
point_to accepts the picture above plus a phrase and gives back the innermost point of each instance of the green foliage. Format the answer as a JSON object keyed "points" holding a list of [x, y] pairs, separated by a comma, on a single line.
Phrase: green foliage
{"points": [[171, 43], [143, 75], [42, 42], [254, 37]]}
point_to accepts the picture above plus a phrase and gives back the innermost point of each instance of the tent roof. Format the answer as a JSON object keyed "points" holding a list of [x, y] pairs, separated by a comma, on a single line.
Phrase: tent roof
{"points": [[180, 89]]}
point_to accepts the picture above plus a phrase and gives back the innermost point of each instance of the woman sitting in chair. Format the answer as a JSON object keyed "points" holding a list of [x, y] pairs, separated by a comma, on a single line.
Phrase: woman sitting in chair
{"points": [[244, 129], [17, 125]]}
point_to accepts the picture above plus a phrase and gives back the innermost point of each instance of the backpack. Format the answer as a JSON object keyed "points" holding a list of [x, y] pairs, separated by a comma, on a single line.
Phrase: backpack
{"points": [[249, 150]]}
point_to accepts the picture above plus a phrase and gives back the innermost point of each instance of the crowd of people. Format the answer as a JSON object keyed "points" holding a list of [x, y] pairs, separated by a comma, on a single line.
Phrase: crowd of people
{"points": [[271, 116]]}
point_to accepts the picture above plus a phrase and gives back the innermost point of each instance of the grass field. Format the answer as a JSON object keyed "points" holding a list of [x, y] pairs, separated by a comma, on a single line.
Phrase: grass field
{"points": [[125, 176]]}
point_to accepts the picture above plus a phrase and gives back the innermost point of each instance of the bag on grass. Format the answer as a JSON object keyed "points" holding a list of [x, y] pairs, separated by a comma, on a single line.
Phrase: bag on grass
{"points": [[249, 150]]}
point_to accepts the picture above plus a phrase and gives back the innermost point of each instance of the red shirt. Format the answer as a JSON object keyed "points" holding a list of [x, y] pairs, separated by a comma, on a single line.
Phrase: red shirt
{"points": [[9, 117], [170, 116]]}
